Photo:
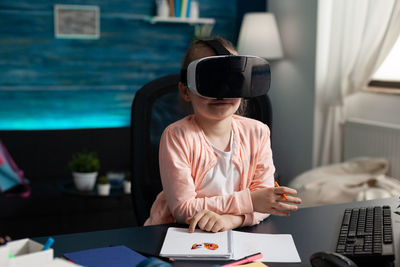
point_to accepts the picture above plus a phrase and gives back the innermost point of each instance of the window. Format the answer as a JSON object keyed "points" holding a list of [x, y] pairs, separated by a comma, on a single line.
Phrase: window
{"points": [[387, 78]]}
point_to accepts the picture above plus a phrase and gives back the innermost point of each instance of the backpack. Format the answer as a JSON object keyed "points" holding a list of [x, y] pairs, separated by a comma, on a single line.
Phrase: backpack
{"points": [[12, 180]]}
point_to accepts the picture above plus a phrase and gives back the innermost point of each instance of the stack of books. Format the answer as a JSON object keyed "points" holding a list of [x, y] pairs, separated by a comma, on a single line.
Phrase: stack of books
{"points": [[181, 8]]}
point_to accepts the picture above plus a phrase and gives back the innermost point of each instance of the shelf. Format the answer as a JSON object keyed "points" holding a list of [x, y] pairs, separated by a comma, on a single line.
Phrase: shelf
{"points": [[182, 20], [202, 26]]}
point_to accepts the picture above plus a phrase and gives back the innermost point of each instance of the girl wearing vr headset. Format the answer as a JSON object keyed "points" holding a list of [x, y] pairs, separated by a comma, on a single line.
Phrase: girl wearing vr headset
{"points": [[216, 167]]}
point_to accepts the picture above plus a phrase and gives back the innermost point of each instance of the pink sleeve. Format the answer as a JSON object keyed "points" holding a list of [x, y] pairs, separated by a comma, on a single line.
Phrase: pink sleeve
{"points": [[179, 187], [253, 218], [265, 169], [263, 177]]}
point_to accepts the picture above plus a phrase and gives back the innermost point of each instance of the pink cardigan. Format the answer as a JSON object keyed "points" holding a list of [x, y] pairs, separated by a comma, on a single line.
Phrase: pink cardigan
{"points": [[186, 156]]}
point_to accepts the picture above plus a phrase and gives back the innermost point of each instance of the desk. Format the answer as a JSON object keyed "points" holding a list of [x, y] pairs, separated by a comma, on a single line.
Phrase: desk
{"points": [[313, 229]]}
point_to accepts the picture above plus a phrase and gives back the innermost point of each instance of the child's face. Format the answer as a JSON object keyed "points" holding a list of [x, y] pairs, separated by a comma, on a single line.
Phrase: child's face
{"points": [[212, 109], [206, 108]]}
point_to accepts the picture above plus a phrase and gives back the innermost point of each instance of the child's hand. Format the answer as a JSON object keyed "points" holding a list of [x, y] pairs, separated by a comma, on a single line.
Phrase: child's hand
{"points": [[270, 200], [212, 222]]}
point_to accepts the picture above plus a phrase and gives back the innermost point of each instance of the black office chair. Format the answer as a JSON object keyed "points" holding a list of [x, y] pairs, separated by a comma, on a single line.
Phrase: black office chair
{"points": [[155, 106]]}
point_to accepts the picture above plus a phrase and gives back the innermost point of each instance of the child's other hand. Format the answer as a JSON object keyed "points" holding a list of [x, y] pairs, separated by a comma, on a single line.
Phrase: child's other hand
{"points": [[212, 222], [270, 200], [206, 220]]}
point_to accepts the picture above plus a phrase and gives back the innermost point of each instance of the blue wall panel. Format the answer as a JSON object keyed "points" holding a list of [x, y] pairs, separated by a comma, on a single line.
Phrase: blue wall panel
{"points": [[60, 81]]}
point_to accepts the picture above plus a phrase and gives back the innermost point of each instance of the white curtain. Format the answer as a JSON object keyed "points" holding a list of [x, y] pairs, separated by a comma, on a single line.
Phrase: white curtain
{"points": [[353, 39]]}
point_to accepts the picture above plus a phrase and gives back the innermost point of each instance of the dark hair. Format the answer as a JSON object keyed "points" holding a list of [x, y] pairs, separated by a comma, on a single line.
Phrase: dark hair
{"points": [[199, 44]]}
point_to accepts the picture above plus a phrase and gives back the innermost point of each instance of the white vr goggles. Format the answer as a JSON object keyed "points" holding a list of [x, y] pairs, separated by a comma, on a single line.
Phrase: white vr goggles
{"points": [[228, 76]]}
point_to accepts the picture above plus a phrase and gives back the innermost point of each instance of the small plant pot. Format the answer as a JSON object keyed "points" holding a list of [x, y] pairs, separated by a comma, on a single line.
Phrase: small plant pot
{"points": [[103, 189], [127, 187], [84, 181]]}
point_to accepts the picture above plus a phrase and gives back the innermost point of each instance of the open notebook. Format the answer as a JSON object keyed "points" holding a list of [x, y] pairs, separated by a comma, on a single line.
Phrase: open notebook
{"points": [[180, 244]]}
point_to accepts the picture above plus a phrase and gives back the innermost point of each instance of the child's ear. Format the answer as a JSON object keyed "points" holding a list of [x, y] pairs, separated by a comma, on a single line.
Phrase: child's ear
{"points": [[184, 92]]}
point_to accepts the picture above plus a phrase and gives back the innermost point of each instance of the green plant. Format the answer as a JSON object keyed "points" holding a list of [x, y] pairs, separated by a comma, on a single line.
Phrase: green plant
{"points": [[84, 162], [102, 180]]}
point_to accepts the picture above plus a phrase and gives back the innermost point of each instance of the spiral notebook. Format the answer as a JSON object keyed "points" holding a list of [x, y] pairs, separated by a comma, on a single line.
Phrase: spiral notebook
{"points": [[200, 245]]}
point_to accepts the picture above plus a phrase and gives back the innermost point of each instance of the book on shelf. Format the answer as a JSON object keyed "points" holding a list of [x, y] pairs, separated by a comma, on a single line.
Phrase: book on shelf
{"points": [[183, 8], [171, 8], [179, 8], [189, 2]]}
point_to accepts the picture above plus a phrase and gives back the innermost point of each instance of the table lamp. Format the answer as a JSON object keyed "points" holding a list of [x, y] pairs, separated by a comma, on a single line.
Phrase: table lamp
{"points": [[259, 36]]}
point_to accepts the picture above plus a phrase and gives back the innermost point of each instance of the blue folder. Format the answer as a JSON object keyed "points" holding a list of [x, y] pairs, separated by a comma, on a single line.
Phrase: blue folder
{"points": [[120, 256]]}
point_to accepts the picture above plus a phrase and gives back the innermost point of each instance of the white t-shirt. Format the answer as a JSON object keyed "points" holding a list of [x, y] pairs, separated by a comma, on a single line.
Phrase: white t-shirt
{"points": [[224, 178]]}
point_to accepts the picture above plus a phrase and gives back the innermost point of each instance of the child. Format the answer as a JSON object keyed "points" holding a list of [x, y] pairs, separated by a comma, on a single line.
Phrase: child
{"points": [[216, 167]]}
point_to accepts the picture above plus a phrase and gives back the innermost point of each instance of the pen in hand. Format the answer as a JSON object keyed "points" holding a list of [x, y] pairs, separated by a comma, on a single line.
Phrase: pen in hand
{"points": [[284, 195]]}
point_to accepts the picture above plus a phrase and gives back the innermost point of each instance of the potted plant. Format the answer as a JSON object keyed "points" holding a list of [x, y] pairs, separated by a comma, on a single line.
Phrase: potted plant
{"points": [[84, 167], [103, 186], [127, 183]]}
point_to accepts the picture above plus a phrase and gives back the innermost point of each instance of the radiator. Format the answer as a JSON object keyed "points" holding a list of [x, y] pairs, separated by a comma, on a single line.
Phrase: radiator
{"points": [[374, 139]]}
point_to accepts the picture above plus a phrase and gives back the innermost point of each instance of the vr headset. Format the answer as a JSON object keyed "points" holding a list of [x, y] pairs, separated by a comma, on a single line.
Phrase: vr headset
{"points": [[226, 75]]}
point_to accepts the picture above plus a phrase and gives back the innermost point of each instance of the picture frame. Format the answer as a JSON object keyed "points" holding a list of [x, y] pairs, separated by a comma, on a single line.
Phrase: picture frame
{"points": [[76, 21]]}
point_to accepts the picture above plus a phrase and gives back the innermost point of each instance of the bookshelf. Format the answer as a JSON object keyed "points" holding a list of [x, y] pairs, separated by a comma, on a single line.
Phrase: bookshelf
{"points": [[182, 20], [202, 26]]}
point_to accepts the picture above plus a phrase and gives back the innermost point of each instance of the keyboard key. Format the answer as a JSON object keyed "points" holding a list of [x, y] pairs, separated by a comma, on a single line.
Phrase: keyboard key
{"points": [[346, 218], [341, 248]]}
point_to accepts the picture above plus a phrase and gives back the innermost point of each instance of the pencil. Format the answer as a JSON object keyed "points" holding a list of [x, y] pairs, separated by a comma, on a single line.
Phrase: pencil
{"points": [[247, 259], [277, 185]]}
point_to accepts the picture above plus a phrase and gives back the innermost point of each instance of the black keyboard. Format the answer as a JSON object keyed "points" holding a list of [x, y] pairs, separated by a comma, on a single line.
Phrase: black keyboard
{"points": [[366, 235]]}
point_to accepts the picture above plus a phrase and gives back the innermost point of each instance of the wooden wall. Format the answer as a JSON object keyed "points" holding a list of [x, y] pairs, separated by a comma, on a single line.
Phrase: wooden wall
{"points": [[129, 53], [36, 66]]}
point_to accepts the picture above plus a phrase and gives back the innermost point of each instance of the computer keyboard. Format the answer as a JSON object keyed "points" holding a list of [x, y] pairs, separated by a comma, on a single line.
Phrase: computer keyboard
{"points": [[366, 235]]}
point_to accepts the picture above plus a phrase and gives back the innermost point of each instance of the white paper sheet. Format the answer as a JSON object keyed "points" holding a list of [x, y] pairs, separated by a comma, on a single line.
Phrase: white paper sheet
{"points": [[274, 247]]}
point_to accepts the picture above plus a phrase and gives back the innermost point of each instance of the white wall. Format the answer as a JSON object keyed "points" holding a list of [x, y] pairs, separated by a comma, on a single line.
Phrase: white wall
{"points": [[383, 108], [292, 87]]}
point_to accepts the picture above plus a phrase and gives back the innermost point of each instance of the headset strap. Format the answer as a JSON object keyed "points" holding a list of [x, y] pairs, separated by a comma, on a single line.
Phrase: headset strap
{"points": [[216, 46]]}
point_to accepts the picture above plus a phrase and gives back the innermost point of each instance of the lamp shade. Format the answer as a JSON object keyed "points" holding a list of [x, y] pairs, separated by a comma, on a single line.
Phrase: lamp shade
{"points": [[259, 36]]}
